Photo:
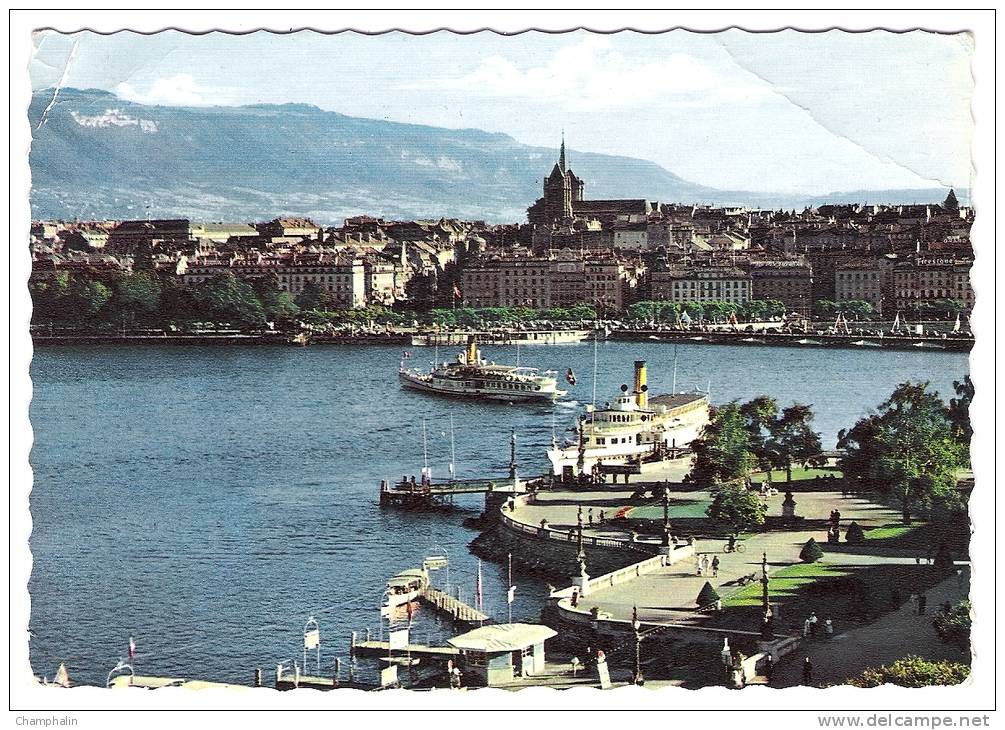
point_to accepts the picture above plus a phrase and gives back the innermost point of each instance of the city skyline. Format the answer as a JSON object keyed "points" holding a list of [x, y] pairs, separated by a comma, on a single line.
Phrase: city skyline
{"points": [[732, 110]]}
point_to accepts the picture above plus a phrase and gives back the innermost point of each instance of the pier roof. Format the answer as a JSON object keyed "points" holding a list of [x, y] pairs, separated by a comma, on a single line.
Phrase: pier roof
{"points": [[502, 637]]}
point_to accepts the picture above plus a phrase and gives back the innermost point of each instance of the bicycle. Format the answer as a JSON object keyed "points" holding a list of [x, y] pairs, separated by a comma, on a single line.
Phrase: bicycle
{"points": [[737, 548]]}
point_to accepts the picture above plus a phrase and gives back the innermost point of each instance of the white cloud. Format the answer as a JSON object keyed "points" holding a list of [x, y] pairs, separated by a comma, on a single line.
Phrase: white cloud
{"points": [[177, 90], [591, 74], [114, 118]]}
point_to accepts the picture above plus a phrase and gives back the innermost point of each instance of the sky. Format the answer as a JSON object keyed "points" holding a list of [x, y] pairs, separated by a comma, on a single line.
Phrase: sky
{"points": [[786, 112]]}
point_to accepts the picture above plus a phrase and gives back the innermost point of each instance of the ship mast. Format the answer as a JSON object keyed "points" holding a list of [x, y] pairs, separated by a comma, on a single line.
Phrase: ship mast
{"points": [[452, 457]]}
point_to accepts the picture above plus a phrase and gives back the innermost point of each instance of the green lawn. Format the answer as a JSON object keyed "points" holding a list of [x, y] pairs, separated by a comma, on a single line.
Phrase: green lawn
{"points": [[848, 594], [798, 473], [891, 530], [679, 509], [784, 584]]}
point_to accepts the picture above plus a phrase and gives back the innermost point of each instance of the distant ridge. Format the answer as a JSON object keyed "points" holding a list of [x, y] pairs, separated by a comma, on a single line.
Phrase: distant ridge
{"points": [[99, 156]]}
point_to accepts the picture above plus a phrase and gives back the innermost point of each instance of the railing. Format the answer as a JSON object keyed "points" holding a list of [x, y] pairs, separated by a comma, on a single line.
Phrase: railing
{"points": [[567, 536]]}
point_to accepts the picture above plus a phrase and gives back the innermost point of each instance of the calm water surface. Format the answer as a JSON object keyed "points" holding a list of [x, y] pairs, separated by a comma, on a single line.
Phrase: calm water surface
{"points": [[207, 500]]}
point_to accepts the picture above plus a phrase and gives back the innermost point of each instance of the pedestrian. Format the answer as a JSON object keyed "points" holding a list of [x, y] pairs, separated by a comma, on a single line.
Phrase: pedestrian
{"points": [[806, 628], [922, 600], [807, 671], [715, 566], [769, 667], [601, 516], [726, 654], [697, 565], [705, 565], [813, 623], [828, 629]]}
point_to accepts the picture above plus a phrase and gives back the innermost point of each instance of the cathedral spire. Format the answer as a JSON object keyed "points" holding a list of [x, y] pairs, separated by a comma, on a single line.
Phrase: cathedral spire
{"points": [[561, 155]]}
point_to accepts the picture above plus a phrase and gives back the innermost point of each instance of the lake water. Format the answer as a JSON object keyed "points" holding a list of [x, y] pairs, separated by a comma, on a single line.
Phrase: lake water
{"points": [[207, 500]]}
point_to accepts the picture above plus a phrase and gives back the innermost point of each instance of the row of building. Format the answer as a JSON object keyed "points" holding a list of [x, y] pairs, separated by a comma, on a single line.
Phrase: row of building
{"points": [[605, 253]]}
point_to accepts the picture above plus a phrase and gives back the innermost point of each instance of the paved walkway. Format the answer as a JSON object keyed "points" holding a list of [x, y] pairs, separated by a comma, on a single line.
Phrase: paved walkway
{"points": [[670, 593], [884, 641]]}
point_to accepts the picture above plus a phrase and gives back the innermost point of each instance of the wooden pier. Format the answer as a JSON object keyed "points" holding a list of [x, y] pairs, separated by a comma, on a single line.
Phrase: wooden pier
{"points": [[427, 494], [382, 649], [458, 611]]}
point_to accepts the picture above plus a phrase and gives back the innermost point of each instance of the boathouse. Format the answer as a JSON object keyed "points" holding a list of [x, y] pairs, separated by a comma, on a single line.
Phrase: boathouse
{"points": [[500, 653]]}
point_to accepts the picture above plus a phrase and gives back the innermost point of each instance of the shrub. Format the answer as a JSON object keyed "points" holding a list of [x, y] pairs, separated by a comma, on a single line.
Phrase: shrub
{"points": [[913, 671], [854, 535], [953, 626], [707, 596], [811, 552]]}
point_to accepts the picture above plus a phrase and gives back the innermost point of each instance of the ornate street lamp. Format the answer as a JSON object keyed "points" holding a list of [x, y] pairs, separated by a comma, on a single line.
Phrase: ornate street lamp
{"points": [[637, 677], [767, 621]]}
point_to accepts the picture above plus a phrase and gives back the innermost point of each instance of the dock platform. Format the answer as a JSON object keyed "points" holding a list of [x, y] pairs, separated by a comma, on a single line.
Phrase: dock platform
{"points": [[453, 608], [381, 648], [428, 494]]}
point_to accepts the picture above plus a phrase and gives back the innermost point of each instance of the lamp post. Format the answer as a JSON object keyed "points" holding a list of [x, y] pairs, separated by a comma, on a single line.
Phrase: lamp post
{"points": [[580, 552], [666, 517], [767, 622], [512, 457], [637, 677]]}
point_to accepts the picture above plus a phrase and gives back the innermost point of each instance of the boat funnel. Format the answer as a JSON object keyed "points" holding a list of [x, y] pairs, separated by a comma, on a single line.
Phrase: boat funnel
{"points": [[472, 355], [641, 389]]}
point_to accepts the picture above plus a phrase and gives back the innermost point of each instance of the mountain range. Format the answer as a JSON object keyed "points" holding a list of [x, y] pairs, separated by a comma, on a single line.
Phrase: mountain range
{"points": [[95, 155]]}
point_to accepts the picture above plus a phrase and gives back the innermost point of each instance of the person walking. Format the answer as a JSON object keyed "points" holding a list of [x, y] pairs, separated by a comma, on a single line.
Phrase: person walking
{"points": [[769, 667], [828, 629], [813, 624], [715, 567], [806, 629], [807, 671], [705, 565], [697, 565]]}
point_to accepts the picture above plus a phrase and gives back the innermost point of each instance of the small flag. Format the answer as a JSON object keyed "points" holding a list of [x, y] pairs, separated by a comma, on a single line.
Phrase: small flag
{"points": [[132, 648], [570, 377], [510, 594]]}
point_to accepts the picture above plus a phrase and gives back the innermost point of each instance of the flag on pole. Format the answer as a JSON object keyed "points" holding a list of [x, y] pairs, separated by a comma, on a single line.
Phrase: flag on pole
{"points": [[478, 587], [510, 594], [132, 648]]}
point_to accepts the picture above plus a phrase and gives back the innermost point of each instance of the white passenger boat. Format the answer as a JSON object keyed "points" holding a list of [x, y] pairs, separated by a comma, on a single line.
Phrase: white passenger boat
{"points": [[473, 377], [406, 586], [633, 427]]}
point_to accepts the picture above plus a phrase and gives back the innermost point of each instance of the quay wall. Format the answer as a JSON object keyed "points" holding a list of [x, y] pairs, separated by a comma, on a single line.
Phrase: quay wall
{"points": [[549, 552]]}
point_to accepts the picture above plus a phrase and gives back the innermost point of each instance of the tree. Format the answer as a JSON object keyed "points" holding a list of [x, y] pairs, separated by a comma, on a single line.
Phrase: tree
{"points": [[138, 294], [811, 552], [312, 296], [959, 410], [913, 671], [953, 626], [826, 308], [760, 418], [85, 299], [722, 452], [857, 308], [793, 438], [907, 452], [277, 305], [225, 298], [854, 535], [707, 596], [738, 506]]}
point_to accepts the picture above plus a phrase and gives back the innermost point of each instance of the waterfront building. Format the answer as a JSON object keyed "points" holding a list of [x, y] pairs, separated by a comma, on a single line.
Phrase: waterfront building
{"points": [[696, 284], [498, 654], [342, 277], [295, 227], [561, 279], [927, 278], [863, 279], [789, 281]]}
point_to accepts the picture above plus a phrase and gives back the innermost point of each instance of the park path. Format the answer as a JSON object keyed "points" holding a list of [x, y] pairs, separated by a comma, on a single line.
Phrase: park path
{"points": [[884, 641]]}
